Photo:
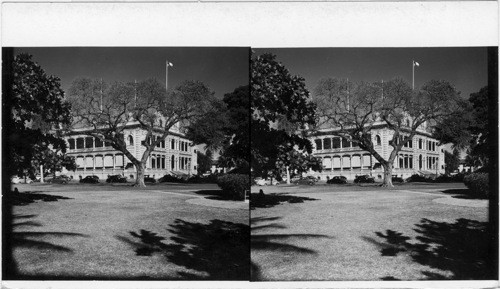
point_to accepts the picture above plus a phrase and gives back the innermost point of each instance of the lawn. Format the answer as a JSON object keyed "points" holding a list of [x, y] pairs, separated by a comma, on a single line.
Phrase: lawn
{"points": [[107, 232], [368, 233]]}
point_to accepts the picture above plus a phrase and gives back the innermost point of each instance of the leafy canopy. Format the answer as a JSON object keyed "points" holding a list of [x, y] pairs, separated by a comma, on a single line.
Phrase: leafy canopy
{"points": [[281, 109], [37, 111]]}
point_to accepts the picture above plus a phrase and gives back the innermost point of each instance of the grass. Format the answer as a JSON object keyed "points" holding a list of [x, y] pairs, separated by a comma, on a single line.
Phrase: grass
{"points": [[368, 233], [110, 232]]}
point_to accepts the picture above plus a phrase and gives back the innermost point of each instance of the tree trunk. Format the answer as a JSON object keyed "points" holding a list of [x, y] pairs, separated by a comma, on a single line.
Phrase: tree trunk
{"points": [[387, 175], [139, 179], [287, 175]]}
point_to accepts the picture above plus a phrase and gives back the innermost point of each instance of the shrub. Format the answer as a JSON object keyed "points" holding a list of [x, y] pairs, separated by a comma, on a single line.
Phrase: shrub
{"points": [[234, 185], [478, 184], [450, 179], [170, 179], [198, 179], [417, 178]]}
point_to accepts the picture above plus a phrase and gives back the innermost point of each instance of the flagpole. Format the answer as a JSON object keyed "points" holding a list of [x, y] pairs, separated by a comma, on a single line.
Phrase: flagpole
{"points": [[413, 75], [135, 93], [101, 94]]}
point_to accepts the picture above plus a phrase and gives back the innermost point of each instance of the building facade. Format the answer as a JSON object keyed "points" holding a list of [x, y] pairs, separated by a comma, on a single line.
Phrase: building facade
{"points": [[340, 157], [174, 155]]}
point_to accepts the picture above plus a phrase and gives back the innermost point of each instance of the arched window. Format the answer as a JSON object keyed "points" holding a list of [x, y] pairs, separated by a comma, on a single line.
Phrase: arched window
{"points": [[130, 140], [378, 140]]}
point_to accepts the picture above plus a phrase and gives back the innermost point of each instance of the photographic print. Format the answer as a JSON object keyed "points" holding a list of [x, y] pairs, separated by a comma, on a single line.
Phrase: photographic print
{"points": [[125, 163], [373, 164]]}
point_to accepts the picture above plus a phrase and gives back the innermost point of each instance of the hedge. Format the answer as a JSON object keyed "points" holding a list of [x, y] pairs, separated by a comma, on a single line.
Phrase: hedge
{"points": [[234, 185], [478, 184]]}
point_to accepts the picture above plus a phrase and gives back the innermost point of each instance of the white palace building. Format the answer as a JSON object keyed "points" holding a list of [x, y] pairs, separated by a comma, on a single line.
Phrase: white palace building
{"points": [[340, 157], [175, 155]]}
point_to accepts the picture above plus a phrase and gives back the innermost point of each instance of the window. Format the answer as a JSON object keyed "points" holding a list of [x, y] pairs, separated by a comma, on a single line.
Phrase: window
{"points": [[119, 161], [79, 143], [89, 142], [327, 163], [346, 162], [130, 140], [356, 161], [345, 143], [378, 140], [98, 143], [327, 143], [420, 143], [71, 144], [335, 143], [319, 144], [172, 144], [172, 163]]}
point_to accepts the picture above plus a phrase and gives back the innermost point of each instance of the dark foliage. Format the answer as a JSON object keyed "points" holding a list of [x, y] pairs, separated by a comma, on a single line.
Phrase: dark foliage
{"points": [[17, 198], [280, 98], [234, 185], [35, 106], [261, 200], [418, 178], [219, 249], [463, 248], [478, 184]]}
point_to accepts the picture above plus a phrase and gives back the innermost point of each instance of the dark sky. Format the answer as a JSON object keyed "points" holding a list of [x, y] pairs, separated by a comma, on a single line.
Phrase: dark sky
{"points": [[222, 69], [466, 68]]}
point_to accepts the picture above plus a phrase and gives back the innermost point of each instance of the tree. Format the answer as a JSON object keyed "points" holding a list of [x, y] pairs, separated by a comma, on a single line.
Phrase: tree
{"points": [[452, 161], [291, 160], [37, 110], [33, 106], [353, 109], [226, 129], [469, 128], [281, 110], [104, 111], [204, 162]]}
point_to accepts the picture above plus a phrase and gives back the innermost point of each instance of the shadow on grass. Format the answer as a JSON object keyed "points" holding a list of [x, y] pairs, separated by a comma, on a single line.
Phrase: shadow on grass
{"points": [[218, 250], [31, 240], [270, 200], [463, 194], [275, 242], [462, 248], [214, 195], [25, 198]]}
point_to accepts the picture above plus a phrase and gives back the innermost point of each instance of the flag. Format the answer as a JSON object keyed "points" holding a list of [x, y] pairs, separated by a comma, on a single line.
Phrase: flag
{"points": [[416, 63]]}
